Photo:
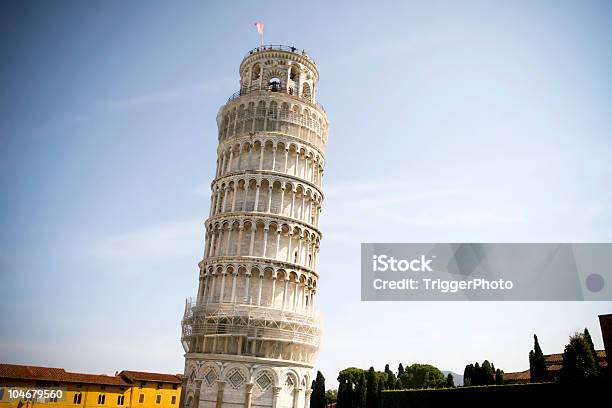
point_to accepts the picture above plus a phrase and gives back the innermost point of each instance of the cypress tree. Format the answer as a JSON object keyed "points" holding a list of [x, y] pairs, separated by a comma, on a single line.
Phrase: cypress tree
{"points": [[398, 384], [450, 381], [317, 399], [488, 374], [499, 377], [477, 375], [467, 375], [400, 370], [589, 340], [381, 388], [390, 383], [360, 400], [371, 389], [539, 373], [345, 394]]}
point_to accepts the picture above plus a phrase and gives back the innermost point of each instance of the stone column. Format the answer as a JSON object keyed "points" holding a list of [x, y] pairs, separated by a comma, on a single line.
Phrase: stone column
{"points": [[247, 287], [234, 197], [224, 201], [282, 203], [273, 157], [240, 229], [229, 163], [285, 292], [265, 243], [261, 156], [248, 394], [275, 393], [261, 276], [293, 209], [234, 276], [206, 276], [253, 231], [270, 188], [223, 274], [220, 387], [307, 398], [296, 396], [256, 207], [273, 289], [302, 206], [286, 159], [278, 235], [228, 243], [296, 294], [212, 289], [289, 247]]}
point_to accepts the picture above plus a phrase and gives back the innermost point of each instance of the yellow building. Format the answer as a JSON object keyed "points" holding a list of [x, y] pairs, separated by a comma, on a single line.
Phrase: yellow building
{"points": [[127, 389]]}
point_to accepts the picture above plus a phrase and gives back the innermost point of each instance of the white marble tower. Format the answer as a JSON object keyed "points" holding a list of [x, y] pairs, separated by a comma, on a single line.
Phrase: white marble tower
{"points": [[252, 332]]}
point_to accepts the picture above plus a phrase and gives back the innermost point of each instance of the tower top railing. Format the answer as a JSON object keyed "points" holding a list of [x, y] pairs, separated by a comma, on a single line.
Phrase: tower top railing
{"points": [[287, 48]]}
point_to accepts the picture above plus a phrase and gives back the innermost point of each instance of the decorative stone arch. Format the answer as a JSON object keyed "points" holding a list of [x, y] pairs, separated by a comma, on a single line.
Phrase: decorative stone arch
{"points": [[209, 374], [236, 375], [265, 370]]}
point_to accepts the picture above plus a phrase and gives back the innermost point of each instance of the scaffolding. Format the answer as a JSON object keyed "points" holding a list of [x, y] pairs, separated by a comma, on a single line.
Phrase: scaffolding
{"points": [[252, 322]]}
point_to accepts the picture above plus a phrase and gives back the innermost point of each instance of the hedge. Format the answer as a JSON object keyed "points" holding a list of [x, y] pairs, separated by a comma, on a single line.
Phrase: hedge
{"points": [[493, 396]]}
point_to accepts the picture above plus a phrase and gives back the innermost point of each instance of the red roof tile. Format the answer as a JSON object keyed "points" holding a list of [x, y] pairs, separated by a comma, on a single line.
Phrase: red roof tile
{"points": [[520, 376], [35, 373], [136, 376]]}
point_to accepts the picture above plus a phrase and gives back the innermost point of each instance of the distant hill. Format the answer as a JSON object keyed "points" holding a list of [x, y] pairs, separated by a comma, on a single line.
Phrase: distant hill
{"points": [[457, 377]]}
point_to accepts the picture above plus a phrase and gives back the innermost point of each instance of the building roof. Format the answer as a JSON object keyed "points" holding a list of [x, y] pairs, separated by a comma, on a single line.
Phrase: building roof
{"points": [[23, 372], [52, 374], [135, 376], [520, 376], [554, 363], [553, 359]]}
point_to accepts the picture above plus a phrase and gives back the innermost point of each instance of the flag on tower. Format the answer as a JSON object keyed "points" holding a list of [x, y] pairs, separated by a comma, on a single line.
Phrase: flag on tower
{"points": [[260, 27]]}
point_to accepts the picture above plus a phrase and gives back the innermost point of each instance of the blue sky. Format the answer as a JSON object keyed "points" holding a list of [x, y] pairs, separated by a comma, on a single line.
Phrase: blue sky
{"points": [[450, 122]]}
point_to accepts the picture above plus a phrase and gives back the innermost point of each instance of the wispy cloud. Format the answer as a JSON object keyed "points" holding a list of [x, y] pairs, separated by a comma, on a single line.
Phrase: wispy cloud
{"points": [[162, 242], [171, 95]]}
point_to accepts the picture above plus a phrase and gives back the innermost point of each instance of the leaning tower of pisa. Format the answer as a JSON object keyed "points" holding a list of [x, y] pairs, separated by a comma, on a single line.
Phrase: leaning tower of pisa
{"points": [[252, 332]]}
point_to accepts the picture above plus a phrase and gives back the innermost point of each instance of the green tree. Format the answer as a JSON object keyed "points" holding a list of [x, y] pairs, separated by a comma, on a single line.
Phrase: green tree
{"points": [[477, 375], [578, 361], [499, 377], [400, 370], [317, 398], [488, 373], [345, 390], [468, 372], [422, 376], [331, 396], [371, 389], [390, 380], [380, 389], [589, 340], [360, 400], [450, 381], [537, 363]]}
